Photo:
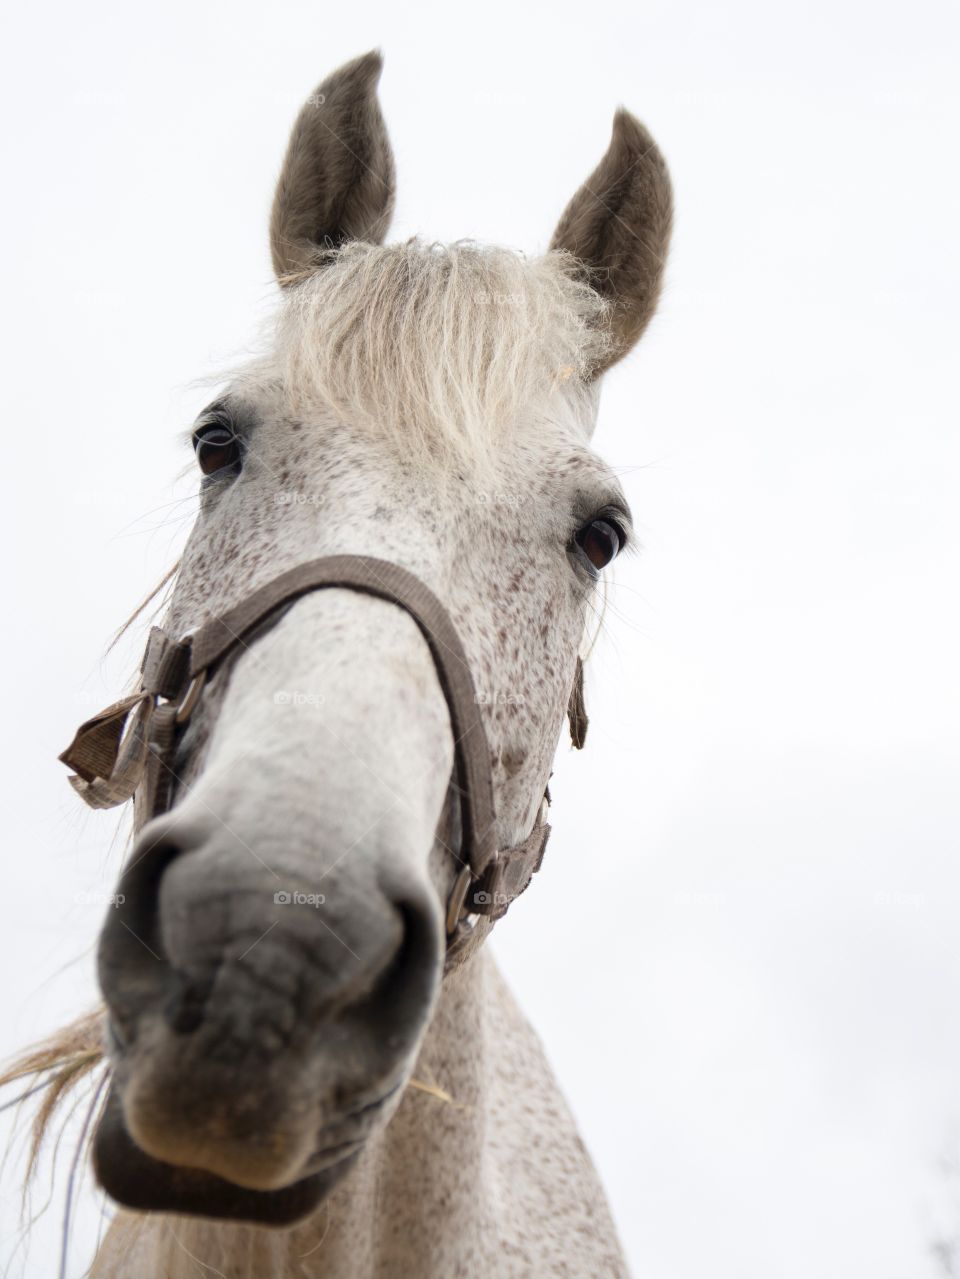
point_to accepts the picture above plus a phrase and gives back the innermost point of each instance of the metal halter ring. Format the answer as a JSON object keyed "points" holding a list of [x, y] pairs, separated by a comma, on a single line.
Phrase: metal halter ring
{"points": [[458, 895], [191, 697]]}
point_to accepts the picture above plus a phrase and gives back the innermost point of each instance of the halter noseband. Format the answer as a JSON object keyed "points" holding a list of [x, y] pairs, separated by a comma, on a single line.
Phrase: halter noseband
{"points": [[111, 765]]}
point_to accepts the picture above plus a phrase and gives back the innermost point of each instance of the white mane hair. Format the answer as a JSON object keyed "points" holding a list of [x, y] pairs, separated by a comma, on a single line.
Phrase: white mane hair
{"points": [[442, 347]]}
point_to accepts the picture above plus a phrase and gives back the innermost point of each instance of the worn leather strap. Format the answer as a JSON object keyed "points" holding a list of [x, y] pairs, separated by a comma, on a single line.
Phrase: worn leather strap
{"points": [[110, 764], [577, 716], [165, 665], [389, 582]]}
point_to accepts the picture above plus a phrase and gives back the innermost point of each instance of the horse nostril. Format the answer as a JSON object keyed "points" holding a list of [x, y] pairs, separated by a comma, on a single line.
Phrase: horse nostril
{"points": [[138, 897], [409, 980], [134, 969]]}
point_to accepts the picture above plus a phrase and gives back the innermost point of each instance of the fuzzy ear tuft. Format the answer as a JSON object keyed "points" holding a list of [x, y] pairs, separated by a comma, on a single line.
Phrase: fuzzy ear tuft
{"points": [[618, 226], [337, 181]]}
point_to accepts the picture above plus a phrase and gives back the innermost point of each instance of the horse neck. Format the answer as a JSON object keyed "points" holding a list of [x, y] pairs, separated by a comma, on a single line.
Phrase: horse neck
{"points": [[416, 1192]]}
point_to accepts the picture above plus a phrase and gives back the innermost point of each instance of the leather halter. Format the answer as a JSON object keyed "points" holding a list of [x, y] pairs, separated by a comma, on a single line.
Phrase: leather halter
{"points": [[112, 765]]}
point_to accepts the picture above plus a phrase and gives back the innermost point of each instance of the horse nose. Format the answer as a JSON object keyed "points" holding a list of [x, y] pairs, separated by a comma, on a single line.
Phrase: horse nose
{"points": [[252, 1007], [197, 915]]}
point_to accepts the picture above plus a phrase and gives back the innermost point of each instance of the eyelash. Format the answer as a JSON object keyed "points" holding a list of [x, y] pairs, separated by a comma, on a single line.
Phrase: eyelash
{"points": [[600, 540], [217, 446]]}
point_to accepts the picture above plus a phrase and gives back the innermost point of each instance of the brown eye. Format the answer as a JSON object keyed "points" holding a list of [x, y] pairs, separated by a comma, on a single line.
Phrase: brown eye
{"points": [[600, 541], [217, 447]]}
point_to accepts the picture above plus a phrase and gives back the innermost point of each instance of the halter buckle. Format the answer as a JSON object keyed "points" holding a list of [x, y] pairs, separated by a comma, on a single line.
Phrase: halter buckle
{"points": [[190, 698], [455, 902]]}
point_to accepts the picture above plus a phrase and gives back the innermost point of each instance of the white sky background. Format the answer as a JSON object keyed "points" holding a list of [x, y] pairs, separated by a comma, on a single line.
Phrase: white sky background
{"points": [[742, 953]]}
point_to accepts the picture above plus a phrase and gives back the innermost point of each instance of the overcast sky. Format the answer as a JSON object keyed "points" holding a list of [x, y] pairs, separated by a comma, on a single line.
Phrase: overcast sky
{"points": [[750, 996]]}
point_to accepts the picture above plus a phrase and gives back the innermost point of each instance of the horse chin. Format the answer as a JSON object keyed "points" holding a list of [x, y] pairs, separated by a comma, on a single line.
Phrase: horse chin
{"points": [[140, 1182]]}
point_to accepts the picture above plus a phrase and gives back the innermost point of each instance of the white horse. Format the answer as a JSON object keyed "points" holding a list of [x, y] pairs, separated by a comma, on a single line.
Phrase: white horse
{"points": [[431, 406]]}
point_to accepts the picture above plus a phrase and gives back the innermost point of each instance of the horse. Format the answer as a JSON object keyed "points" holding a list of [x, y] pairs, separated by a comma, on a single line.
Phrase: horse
{"points": [[313, 1065]]}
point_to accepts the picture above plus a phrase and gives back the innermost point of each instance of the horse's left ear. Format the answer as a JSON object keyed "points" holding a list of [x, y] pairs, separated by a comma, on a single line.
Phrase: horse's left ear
{"points": [[337, 181], [618, 225]]}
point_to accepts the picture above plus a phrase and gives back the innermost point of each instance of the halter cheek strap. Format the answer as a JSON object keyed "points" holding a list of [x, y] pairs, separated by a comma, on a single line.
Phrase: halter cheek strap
{"points": [[128, 748]]}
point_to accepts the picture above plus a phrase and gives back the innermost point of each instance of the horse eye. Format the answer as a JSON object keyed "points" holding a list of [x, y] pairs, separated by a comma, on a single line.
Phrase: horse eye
{"points": [[600, 541], [216, 447]]}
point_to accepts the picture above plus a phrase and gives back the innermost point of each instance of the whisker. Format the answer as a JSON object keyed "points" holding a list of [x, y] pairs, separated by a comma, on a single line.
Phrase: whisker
{"points": [[78, 1154], [164, 506], [30, 1092], [175, 522]]}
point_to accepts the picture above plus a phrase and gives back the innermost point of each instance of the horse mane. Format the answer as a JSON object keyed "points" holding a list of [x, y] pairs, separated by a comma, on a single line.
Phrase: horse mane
{"points": [[442, 348], [54, 1068]]}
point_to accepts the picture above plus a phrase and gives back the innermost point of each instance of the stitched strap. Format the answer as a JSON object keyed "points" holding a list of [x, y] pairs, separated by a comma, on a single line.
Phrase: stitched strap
{"points": [[111, 758], [108, 753], [165, 665], [510, 874], [158, 776], [96, 743], [577, 711], [388, 582]]}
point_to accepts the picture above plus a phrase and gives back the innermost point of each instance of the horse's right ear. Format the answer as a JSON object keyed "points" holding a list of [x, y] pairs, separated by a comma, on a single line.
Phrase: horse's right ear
{"points": [[337, 181], [618, 227]]}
